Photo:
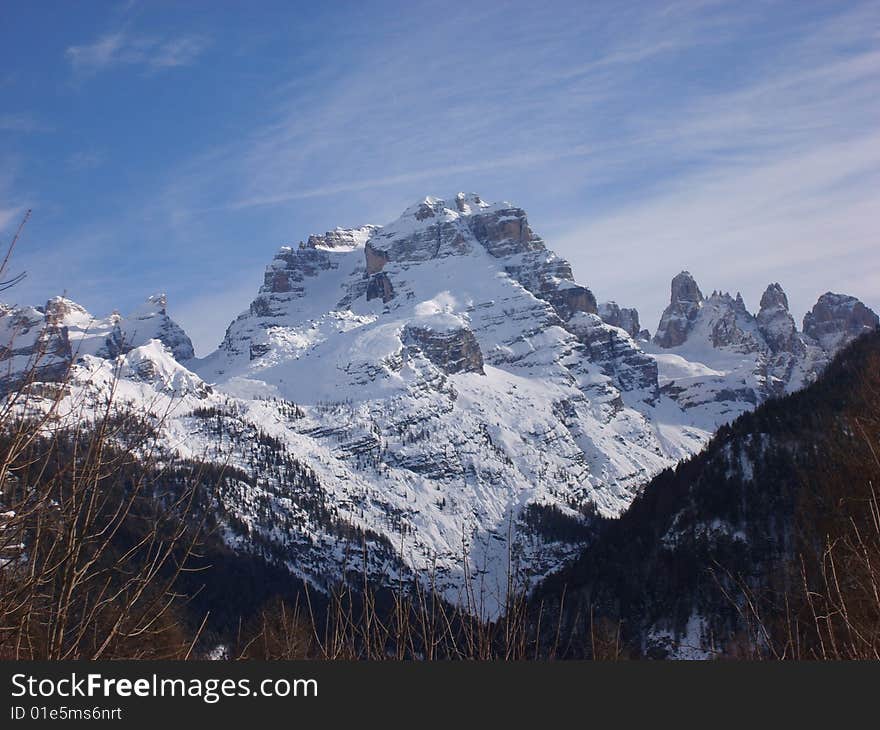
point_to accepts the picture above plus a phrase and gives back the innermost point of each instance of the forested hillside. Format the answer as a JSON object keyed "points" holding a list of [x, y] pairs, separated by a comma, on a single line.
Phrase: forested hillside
{"points": [[766, 544]]}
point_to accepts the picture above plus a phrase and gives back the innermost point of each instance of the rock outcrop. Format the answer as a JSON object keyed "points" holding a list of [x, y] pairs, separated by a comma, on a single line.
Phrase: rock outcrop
{"points": [[776, 323], [32, 348], [380, 287], [453, 350], [837, 319], [503, 231], [340, 239], [292, 266], [625, 318], [617, 354], [679, 317], [731, 325]]}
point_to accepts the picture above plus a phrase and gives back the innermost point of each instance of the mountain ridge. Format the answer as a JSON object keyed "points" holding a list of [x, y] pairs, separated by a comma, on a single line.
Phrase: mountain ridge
{"points": [[439, 375]]}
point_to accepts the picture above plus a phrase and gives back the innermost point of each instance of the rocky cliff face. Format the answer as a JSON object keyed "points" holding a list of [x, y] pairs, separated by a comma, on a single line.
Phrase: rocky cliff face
{"points": [[32, 346], [679, 317], [776, 324], [617, 354], [287, 291], [837, 319], [453, 350], [625, 318]]}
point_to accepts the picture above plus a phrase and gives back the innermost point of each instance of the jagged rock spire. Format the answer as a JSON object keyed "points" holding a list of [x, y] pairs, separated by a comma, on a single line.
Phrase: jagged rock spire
{"points": [[775, 323], [774, 298], [684, 289], [678, 318]]}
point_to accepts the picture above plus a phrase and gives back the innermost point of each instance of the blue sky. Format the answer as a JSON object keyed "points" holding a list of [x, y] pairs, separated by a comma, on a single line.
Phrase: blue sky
{"points": [[168, 146]]}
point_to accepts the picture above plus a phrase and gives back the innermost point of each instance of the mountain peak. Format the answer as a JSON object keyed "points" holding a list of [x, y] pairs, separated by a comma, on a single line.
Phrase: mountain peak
{"points": [[433, 209], [684, 288], [339, 239], [774, 298], [466, 202], [155, 304], [678, 318], [62, 332], [150, 321], [776, 324], [836, 319], [60, 309], [435, 228]]}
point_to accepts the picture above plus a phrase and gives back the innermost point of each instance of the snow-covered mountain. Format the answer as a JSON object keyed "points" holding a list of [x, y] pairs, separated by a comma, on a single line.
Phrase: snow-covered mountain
{"points": [[438, 388], [715, 356], [53, 337]]}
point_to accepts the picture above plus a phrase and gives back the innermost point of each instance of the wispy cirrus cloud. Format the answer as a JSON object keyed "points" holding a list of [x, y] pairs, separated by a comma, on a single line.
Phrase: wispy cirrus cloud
{"points": [[86, 160], [772, 178], [734, 139], [443, 114], [124, 48], [8, 216], [512, 160], [22, 122]]}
